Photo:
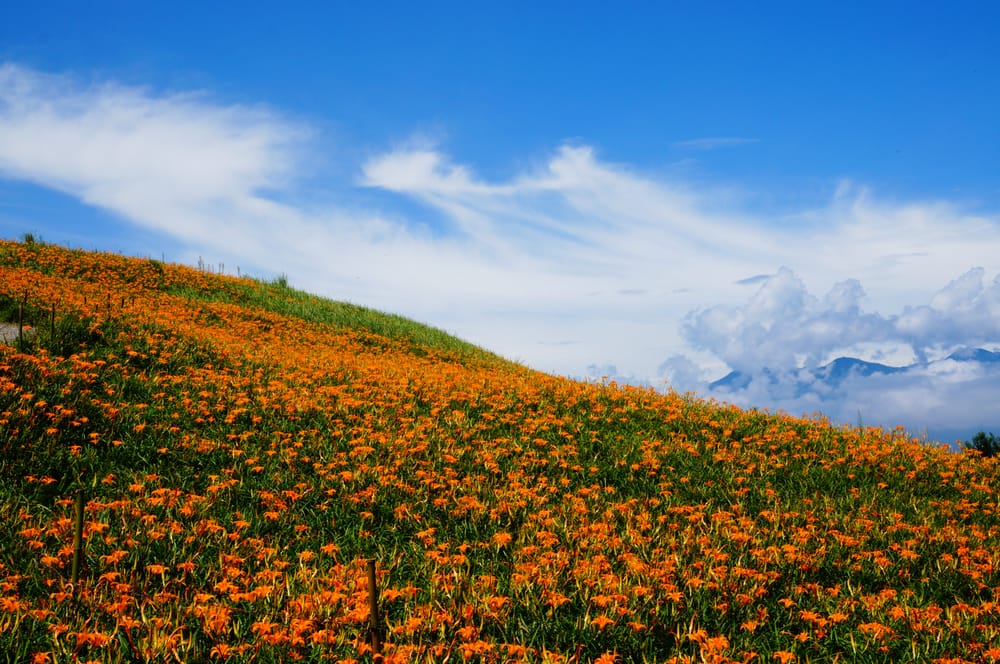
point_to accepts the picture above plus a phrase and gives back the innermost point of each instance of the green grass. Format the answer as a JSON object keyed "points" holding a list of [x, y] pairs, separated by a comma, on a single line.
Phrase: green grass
{"points": [[245, 448], [277, 297]]}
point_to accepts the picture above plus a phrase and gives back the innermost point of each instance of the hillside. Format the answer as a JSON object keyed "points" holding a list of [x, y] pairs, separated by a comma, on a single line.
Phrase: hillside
{"points": [[242, 450]]}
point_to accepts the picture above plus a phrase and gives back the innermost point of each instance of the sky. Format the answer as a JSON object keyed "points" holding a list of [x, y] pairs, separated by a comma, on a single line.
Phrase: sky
{"points": [[659, 193]]}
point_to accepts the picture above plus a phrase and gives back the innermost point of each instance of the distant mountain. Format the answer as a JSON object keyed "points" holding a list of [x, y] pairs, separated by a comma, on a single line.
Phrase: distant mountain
{"points": [[842, 367], [975, 355], [834, 373], [732, 381], [735, 381]]}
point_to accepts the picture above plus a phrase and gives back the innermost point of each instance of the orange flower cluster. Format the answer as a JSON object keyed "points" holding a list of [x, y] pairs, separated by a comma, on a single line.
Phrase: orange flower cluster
{"points": [[243, 454]]}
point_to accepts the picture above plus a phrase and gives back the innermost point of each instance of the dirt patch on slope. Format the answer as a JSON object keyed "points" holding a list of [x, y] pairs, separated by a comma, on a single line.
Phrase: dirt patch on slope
{"points": [[8, 333]]}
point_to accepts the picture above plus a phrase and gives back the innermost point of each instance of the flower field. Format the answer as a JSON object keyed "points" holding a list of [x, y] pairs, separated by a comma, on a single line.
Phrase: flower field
{"points": [[242, 450]]}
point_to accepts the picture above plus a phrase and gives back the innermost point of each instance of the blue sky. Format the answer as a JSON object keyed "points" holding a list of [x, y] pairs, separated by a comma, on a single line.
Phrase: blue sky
{"points": [[659, 192]]}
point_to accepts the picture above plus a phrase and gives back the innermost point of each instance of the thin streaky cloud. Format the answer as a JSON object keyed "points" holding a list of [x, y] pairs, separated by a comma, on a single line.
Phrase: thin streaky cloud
{"points": [[519, 264], [751, 281], [714, 143]]}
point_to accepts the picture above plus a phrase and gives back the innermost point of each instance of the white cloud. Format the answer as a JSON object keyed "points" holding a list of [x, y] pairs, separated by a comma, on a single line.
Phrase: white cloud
{"points": [[714, 143], [782, 334], [422, 171], [943, 403], [783, 327], [573, 262], [122, 148]]}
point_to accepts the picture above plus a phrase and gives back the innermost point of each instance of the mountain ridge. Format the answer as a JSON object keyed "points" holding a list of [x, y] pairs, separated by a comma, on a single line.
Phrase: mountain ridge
{"points": [[835, 372]]}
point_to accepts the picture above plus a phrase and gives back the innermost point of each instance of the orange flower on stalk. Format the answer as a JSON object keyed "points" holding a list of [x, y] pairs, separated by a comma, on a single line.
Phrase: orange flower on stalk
{"points": [[715, 644], [96, 639], [877, 631], [502, 539], [601, 622], [221, 650], [11, 604], [555, 600]]}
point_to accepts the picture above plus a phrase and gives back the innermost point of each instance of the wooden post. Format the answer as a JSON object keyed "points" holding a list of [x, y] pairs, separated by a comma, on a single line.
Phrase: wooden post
{"points": [[77, 538], [20, 326], [374, 629]]}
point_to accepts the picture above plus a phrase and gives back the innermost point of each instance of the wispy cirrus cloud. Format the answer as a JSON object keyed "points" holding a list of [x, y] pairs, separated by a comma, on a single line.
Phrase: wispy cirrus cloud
{"points": [[169, 162], [572, 262], [714, 143]]}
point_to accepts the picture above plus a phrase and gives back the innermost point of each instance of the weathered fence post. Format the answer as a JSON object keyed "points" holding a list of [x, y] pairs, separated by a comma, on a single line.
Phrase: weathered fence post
{"points": [[374, 628], [20, 324], [77, 538]]}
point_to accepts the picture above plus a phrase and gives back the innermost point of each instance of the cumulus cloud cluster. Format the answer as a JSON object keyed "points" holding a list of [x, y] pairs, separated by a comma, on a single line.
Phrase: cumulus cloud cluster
{"points": [[572, 265], [782, 340], [782, 326]]}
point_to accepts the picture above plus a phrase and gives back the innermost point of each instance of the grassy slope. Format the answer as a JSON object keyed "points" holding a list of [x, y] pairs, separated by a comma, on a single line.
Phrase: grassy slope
{"points": [[244, 448]]}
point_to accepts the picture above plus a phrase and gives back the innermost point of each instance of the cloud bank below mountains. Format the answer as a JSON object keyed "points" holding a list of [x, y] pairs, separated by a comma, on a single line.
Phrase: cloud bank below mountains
{"points": [[782, 326], [781, 342], [572, 262]]}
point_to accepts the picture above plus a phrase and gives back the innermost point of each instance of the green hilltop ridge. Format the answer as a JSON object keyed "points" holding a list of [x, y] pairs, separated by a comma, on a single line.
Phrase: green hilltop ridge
{"points": [[239, 452], [277, 297]]}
